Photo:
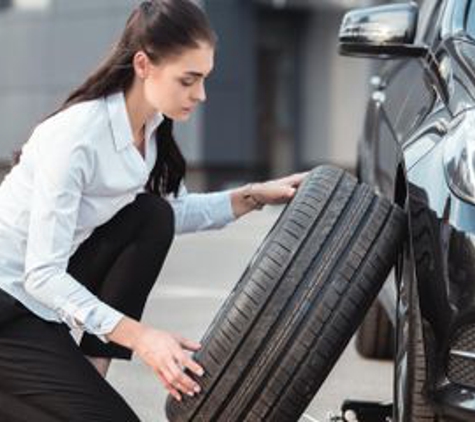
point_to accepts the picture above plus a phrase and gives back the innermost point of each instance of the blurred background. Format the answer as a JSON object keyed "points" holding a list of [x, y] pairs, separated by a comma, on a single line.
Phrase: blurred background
{"points": [[280, 98]]}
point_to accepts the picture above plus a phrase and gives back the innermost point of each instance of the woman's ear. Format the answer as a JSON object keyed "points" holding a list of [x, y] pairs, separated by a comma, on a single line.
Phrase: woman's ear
{"points": [[141, 64]]}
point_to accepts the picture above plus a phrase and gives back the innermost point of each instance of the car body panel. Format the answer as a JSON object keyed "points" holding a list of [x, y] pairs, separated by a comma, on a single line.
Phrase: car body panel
{"points": [[410, 113]]}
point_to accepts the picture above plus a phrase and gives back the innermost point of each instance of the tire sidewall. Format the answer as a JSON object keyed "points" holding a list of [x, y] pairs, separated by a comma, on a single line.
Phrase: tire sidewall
{"points": [[410, 404]]}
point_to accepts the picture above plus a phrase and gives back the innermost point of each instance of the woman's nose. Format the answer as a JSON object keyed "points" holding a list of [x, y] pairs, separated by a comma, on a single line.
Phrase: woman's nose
{"points": [[200, 93]]}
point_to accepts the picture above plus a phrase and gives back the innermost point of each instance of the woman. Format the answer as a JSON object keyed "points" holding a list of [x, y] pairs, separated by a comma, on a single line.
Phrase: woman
{"points": [[88, 214]]}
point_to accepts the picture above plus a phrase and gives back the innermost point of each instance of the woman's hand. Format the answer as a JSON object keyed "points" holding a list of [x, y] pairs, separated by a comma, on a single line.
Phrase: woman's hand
{"points": [[255, 195], [164, 352], [278, 191]]}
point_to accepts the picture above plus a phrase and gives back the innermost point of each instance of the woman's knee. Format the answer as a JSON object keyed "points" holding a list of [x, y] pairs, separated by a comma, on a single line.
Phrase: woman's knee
{"points": [[157, 216]]}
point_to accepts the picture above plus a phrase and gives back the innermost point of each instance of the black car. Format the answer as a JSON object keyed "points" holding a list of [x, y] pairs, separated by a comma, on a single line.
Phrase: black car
{"points": [[418, 148]]}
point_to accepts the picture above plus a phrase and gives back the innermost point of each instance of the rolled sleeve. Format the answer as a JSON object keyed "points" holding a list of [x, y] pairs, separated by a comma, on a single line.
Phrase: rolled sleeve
{"points": [[201, 211], [59, 179]]}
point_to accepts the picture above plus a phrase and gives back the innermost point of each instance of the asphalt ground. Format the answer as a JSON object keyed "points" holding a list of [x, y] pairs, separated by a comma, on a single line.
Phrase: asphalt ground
{"points": [[199, 272]]}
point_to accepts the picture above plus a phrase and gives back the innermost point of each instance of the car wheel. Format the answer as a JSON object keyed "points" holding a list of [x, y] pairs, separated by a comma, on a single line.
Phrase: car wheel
{"points": [[412, 404], [411, 370], [306, 290], [375, 336]]}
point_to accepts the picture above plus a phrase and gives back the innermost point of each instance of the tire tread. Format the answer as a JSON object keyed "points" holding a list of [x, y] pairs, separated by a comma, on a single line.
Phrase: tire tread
{"points": [[313, 293]]}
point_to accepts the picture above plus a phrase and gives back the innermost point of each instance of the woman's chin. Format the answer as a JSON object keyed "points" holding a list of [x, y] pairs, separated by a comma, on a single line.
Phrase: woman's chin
{"points": [[181, 116]]}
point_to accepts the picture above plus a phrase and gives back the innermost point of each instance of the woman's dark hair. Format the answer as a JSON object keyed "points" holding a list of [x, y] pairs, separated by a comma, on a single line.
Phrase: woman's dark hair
{"points": [[160, 28]]}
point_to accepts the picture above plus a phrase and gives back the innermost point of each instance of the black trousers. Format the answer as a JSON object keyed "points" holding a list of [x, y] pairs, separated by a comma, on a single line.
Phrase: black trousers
{"points": [[44, 375]]}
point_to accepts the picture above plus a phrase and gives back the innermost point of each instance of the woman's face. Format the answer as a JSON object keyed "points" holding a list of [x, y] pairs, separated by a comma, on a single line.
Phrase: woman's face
{"points": [[176, 85]]}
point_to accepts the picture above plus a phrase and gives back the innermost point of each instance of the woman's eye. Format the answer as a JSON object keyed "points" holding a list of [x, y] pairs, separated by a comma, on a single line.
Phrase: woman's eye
{"points": [[187, 82]]}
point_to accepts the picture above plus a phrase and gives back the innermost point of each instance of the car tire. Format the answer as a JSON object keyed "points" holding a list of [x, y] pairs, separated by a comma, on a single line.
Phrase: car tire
{"points": [[302, 297], [420, 407], [411, 365], [412, 376], [375, 336]]}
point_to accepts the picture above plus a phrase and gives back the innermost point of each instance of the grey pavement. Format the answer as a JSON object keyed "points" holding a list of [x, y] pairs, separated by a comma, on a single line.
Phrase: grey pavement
{"points": [[199, 272]]}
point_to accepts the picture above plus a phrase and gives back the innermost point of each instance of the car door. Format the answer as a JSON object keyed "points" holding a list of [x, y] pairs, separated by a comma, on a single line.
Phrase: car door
{"points": [[403, 97]]}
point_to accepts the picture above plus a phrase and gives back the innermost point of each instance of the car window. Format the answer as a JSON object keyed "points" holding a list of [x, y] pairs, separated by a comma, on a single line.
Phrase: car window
{"points": [[470, 20], [417, 105], [400, 78], [409, 98], [428, 11], [455, 18]]}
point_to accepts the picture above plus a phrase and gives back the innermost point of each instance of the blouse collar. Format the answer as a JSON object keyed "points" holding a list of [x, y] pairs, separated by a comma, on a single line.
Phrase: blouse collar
{"points": [[120, 122]]}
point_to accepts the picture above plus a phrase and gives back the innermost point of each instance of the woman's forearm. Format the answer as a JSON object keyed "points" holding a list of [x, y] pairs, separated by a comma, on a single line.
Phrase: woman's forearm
{"points": [[126, 333], [243, 200]]}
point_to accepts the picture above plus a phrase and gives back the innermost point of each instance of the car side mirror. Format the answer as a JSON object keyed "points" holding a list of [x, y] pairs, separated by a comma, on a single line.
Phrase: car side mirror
{"points": [[381, 32]]}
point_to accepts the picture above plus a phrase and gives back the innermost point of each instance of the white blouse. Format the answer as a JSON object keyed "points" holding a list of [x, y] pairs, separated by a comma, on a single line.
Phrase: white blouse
{"points": [[77, 170]]}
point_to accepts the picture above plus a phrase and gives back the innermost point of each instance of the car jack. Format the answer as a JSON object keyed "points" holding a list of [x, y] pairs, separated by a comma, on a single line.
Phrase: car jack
{"points": [[363, 411]]}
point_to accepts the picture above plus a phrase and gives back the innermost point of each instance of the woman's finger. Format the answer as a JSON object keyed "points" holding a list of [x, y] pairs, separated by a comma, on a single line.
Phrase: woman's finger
{"points": [[291, 192], [182, 381], [170, 371], [174, 382], [296, 179], [172, 390], [187, 344], [194, 367], [284, 194]]}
